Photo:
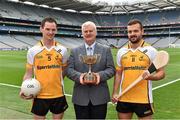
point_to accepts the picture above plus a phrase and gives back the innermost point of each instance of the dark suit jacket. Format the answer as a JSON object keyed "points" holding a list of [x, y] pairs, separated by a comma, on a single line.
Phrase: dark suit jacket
{"points": [[97, 94]]}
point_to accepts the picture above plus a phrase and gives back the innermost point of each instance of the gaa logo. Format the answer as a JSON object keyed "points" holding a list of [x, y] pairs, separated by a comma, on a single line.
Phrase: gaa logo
{"points": [[30, 86], [59, 51]]}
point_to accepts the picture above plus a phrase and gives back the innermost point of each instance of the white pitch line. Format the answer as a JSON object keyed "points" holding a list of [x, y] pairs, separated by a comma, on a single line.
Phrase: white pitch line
{"points": [[9, 85], [15, 86], [166, 84]]}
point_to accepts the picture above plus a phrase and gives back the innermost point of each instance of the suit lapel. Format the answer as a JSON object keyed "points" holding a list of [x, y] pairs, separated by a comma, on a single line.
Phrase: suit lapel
{"points": [[97, 49], [82, 50]]}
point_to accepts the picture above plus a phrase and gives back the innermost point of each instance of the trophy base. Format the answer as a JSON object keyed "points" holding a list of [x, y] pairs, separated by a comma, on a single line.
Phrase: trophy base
{"points": [[90, 78]]}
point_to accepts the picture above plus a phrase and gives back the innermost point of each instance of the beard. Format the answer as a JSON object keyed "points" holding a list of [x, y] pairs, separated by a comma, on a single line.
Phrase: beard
{"points": [[135, 39]]}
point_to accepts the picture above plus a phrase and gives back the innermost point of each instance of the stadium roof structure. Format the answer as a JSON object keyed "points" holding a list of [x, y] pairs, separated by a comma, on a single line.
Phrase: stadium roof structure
{"points": [[107, 6]]}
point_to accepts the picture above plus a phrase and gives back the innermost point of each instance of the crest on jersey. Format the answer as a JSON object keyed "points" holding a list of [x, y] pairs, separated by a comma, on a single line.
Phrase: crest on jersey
{"points": [[59, 51]]}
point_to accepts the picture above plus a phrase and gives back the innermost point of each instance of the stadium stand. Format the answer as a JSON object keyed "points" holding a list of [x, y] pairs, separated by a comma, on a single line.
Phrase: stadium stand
{"points": [[19, 26]]}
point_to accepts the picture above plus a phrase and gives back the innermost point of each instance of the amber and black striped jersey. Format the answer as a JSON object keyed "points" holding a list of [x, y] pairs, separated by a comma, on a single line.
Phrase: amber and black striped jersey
{"points": [[133, 63], [47, 65]]}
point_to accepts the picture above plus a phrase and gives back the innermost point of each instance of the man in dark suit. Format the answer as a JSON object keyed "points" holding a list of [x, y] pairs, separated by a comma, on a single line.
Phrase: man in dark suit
{"points": [[90, 100]]}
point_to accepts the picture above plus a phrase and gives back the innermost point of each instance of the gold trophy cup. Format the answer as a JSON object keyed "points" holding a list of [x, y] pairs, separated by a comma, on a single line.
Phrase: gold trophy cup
{"points": [[90, 78]]}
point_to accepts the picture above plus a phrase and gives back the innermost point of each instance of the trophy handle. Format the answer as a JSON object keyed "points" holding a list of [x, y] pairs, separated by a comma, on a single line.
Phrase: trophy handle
{"points": [[81, 58], [98, 56]]}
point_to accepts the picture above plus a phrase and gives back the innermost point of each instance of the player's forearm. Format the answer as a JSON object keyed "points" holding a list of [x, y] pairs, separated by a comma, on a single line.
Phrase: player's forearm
{"points": [[28, 74], [160, 74], [27, 77], [117, 81], [115, 88]]}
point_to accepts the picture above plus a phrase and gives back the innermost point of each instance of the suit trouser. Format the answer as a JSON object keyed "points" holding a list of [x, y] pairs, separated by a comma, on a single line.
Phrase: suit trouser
{"points": [[91, 111]]}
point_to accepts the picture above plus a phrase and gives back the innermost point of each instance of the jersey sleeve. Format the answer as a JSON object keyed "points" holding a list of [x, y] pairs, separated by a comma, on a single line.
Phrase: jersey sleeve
{"points": [[118, 60], [65, 55], [152, 53], [29, 63], [29, 57]]}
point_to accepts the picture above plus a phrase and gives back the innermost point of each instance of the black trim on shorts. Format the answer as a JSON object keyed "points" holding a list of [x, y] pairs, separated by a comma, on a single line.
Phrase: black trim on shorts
{"points": [[55, 105], [141, 109]]}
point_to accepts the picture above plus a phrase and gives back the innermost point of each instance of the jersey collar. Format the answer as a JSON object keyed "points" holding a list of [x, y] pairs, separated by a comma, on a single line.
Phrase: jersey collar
{"points": [[141, 44]]}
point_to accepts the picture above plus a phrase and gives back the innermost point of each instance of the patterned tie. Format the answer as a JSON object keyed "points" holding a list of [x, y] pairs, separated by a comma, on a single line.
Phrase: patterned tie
{"points": [[90, 50]]}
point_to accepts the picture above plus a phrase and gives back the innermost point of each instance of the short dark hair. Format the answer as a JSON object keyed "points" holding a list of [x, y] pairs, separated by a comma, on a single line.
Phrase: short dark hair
{"points": [[135, 21], [48, 19]]}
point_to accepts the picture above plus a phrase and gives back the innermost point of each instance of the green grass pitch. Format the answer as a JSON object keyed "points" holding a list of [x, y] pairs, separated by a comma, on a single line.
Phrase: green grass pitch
{"points": [[12, 68]]}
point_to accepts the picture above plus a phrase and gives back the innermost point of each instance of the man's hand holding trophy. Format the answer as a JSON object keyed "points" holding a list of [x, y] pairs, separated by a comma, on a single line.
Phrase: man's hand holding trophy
{"points": [[90, 77]]}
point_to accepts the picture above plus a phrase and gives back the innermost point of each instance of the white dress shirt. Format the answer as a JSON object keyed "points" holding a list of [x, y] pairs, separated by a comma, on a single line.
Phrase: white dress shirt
{"points": [[90, 49]]}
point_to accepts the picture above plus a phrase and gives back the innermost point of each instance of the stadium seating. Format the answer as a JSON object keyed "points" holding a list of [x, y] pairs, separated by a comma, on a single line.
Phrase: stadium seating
{"points": [[19, 26]]}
